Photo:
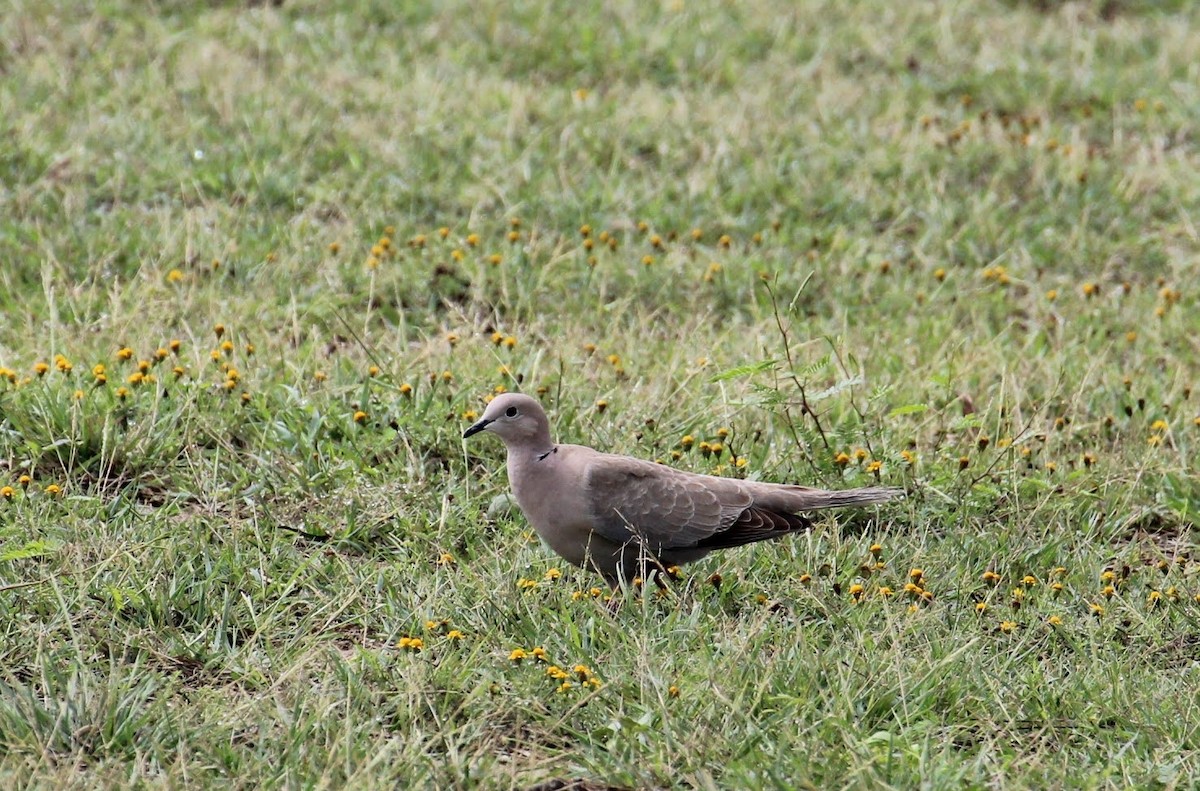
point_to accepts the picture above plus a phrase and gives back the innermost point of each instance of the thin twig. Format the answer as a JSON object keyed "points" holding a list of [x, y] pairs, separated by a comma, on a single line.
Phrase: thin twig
{"points": [[805, 407]]}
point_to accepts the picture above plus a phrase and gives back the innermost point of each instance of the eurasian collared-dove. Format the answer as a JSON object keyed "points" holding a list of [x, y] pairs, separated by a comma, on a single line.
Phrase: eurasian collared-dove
{"points": [[622, 516]]}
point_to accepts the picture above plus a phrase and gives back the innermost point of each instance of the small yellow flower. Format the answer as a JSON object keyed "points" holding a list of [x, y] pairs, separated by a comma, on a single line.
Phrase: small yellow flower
{"points": [[1008, 626], [886, 592], [860, 454], [174, 346], [122, 393], [124, 353], [510, 342], [412, 643], [40, 368], [517, 654], [7, 492], [583, 671], [1052, 294], [841, 460], [725, 241], [1159, 425], [981, 607], [1054, 620], [601, 405], [446, 559], [53, 488], [539, 654], [455, 634], [565, 686], [473, 239], [1096, 609], [908, 457], [805, 579], [673, 691], [939, 274], [26, 479], [1029, 580], [360, 417], [991, 576], [174, 276], [875, 466], [647, 260], [856, 592], [1108, 592], [552, 574], [406, 389], [916, 575], [320, 376]]}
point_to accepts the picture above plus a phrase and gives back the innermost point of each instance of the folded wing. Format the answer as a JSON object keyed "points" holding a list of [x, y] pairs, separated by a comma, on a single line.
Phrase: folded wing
{"points": [[632, 500]]}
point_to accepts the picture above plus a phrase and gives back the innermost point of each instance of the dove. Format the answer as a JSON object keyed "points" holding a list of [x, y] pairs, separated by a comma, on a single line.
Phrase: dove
{"points": [[624, 517]]}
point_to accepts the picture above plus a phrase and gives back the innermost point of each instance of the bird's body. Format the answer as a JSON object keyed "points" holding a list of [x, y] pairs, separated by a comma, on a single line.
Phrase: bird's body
{"points": [[622, 516]]}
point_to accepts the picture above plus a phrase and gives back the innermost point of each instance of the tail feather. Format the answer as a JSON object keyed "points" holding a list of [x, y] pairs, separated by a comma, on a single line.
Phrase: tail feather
{"points": [[801, 498]]}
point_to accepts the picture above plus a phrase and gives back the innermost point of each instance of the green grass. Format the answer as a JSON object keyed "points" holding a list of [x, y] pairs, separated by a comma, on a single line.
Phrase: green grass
{"points": [[965, 232]]}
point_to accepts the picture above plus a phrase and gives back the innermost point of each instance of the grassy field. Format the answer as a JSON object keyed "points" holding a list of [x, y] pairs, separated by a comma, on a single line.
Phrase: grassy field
{"points": [[260, 267]]}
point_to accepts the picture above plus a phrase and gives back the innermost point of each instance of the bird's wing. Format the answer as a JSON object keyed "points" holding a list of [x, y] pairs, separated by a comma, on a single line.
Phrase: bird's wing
{"points": [[631, 499]]}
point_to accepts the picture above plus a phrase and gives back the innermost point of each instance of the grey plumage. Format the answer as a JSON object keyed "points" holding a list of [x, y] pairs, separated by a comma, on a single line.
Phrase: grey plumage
{"points": [[621, 516]]}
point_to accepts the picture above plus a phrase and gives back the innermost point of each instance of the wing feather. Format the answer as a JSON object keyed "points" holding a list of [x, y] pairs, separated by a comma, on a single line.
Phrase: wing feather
{"points": [[663, 507]]}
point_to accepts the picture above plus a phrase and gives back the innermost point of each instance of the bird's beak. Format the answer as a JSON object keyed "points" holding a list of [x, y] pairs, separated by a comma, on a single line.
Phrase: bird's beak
{"points": [[475, 429]]}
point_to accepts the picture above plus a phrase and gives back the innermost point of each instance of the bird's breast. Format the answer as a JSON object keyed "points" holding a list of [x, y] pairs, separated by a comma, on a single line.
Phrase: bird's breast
{"points": [[553, 505]]}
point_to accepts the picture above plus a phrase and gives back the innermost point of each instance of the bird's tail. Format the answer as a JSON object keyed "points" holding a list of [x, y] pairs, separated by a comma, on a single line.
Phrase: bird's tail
{"points": [[802, 498]]}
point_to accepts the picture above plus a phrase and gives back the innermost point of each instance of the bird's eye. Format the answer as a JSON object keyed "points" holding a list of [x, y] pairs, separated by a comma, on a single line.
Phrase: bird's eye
{"points": [[510, 412]]}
